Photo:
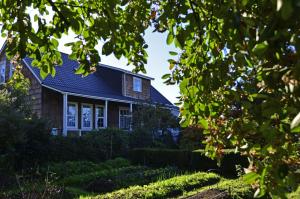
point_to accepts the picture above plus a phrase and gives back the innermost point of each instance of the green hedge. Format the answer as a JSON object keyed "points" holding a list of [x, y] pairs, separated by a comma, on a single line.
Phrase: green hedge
{"points": [[93, 146], [163, 189], [109, 180], [187, 159], [70, 168]]}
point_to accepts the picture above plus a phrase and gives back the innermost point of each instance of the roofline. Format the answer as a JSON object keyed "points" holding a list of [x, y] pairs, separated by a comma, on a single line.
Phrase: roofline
{"points": [[81, 95], [126, 71], [3, 46]]}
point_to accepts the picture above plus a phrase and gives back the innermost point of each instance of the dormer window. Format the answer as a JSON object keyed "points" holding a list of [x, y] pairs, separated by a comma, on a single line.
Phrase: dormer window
{"points": [[2, 71], [137, 84]]}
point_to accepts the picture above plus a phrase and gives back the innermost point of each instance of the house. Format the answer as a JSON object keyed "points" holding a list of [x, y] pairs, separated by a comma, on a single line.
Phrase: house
{"points": [[72, 103]]}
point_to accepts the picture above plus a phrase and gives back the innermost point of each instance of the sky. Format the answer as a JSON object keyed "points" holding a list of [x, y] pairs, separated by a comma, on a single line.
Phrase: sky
{"points": [[157, 66]]}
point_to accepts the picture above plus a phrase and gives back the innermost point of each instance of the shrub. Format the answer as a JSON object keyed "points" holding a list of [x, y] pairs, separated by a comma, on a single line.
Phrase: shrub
{"points": [[167, 188], [78, 167], [93, 146], [83, 179], [23, 137], [187, 159]]}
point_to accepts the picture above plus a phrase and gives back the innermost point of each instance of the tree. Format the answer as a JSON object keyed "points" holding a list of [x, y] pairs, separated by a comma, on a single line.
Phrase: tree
{"points": [[246, 52], [152, 126]]}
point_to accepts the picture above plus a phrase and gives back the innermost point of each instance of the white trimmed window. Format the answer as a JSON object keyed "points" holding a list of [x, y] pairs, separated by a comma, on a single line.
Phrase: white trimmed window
{"points": [[124, 118], [72, 115], [12, 70], [86, 116], [2, 71], [99, 119], [137, 84]]}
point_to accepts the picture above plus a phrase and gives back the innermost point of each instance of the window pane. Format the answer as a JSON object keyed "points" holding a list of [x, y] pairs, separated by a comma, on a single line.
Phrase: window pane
{"points": [[71, 109], [86, 116], [71, 121], [100, 122], [2, 71], [71, 115], [137, 84], [99, 112]]}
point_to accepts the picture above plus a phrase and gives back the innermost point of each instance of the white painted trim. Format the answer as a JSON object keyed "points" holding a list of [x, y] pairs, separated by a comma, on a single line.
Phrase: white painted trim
{"points": [[96, 123], [65, 111], [71, 128], [126, 71], [133, 84], [101, 98], [92, 113], [106, 114]]}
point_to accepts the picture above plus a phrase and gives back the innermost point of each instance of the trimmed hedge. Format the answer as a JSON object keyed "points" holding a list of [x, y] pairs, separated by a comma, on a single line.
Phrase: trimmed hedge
{"points": [[70, 168], [83, 179], [194, 160], [163, 189]]}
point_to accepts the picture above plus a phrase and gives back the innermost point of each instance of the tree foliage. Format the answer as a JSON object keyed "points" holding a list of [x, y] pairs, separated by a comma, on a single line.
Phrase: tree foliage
{"points": [[238, 70]]}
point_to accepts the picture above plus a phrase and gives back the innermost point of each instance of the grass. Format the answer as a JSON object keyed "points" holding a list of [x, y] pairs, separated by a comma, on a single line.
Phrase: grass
{"points": [[236, 188], [162, 189]]}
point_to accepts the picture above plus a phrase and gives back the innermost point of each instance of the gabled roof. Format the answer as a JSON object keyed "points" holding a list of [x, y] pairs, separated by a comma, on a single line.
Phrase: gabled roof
{"points": [[106, 82]]}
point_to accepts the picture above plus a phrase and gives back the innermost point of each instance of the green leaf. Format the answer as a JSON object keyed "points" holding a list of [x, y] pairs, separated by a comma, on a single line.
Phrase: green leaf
{"points": [[251, 177], [204, 123], [244, 2], [173, 53], [177, 43], [170, 38], [261, 48], [166, 76]]}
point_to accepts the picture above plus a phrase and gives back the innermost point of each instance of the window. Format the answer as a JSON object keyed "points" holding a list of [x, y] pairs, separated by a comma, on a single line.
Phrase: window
{"points": [[86, 116], [2, 71], [72, 114], [137, 84], [12, 70], [99, 117], [124, 119]]}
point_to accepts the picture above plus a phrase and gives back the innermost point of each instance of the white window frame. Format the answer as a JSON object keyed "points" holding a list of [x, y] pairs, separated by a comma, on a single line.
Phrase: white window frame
{"points": [[76, 116], [91, 127], [135, 86], [96, 116], [4, 65], [124, 109]]}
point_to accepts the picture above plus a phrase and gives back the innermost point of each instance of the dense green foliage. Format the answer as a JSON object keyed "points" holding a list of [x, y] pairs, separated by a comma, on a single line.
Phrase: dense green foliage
{"points": [[65, 169], [166, 188], [238, 69], [151, 127], [23, 137], [188, 160]]}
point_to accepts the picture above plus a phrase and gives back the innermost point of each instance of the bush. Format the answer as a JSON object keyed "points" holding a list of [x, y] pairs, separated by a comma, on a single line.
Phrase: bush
{"points": [[167, 188], [23, 137], [187, 159], [93, 146], [78, 167]]}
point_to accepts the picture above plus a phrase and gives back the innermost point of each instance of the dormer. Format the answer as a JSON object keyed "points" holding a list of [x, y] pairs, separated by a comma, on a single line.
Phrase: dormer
{"points": [[136, 86], [133, 85]]}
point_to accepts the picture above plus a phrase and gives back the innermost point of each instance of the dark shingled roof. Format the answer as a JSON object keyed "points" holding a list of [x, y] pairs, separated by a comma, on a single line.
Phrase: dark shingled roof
{"points": [[106, 82]]}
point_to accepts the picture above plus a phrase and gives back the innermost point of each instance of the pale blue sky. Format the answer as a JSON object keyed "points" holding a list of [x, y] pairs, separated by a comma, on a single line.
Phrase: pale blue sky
{"points": [[157, 66]]}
